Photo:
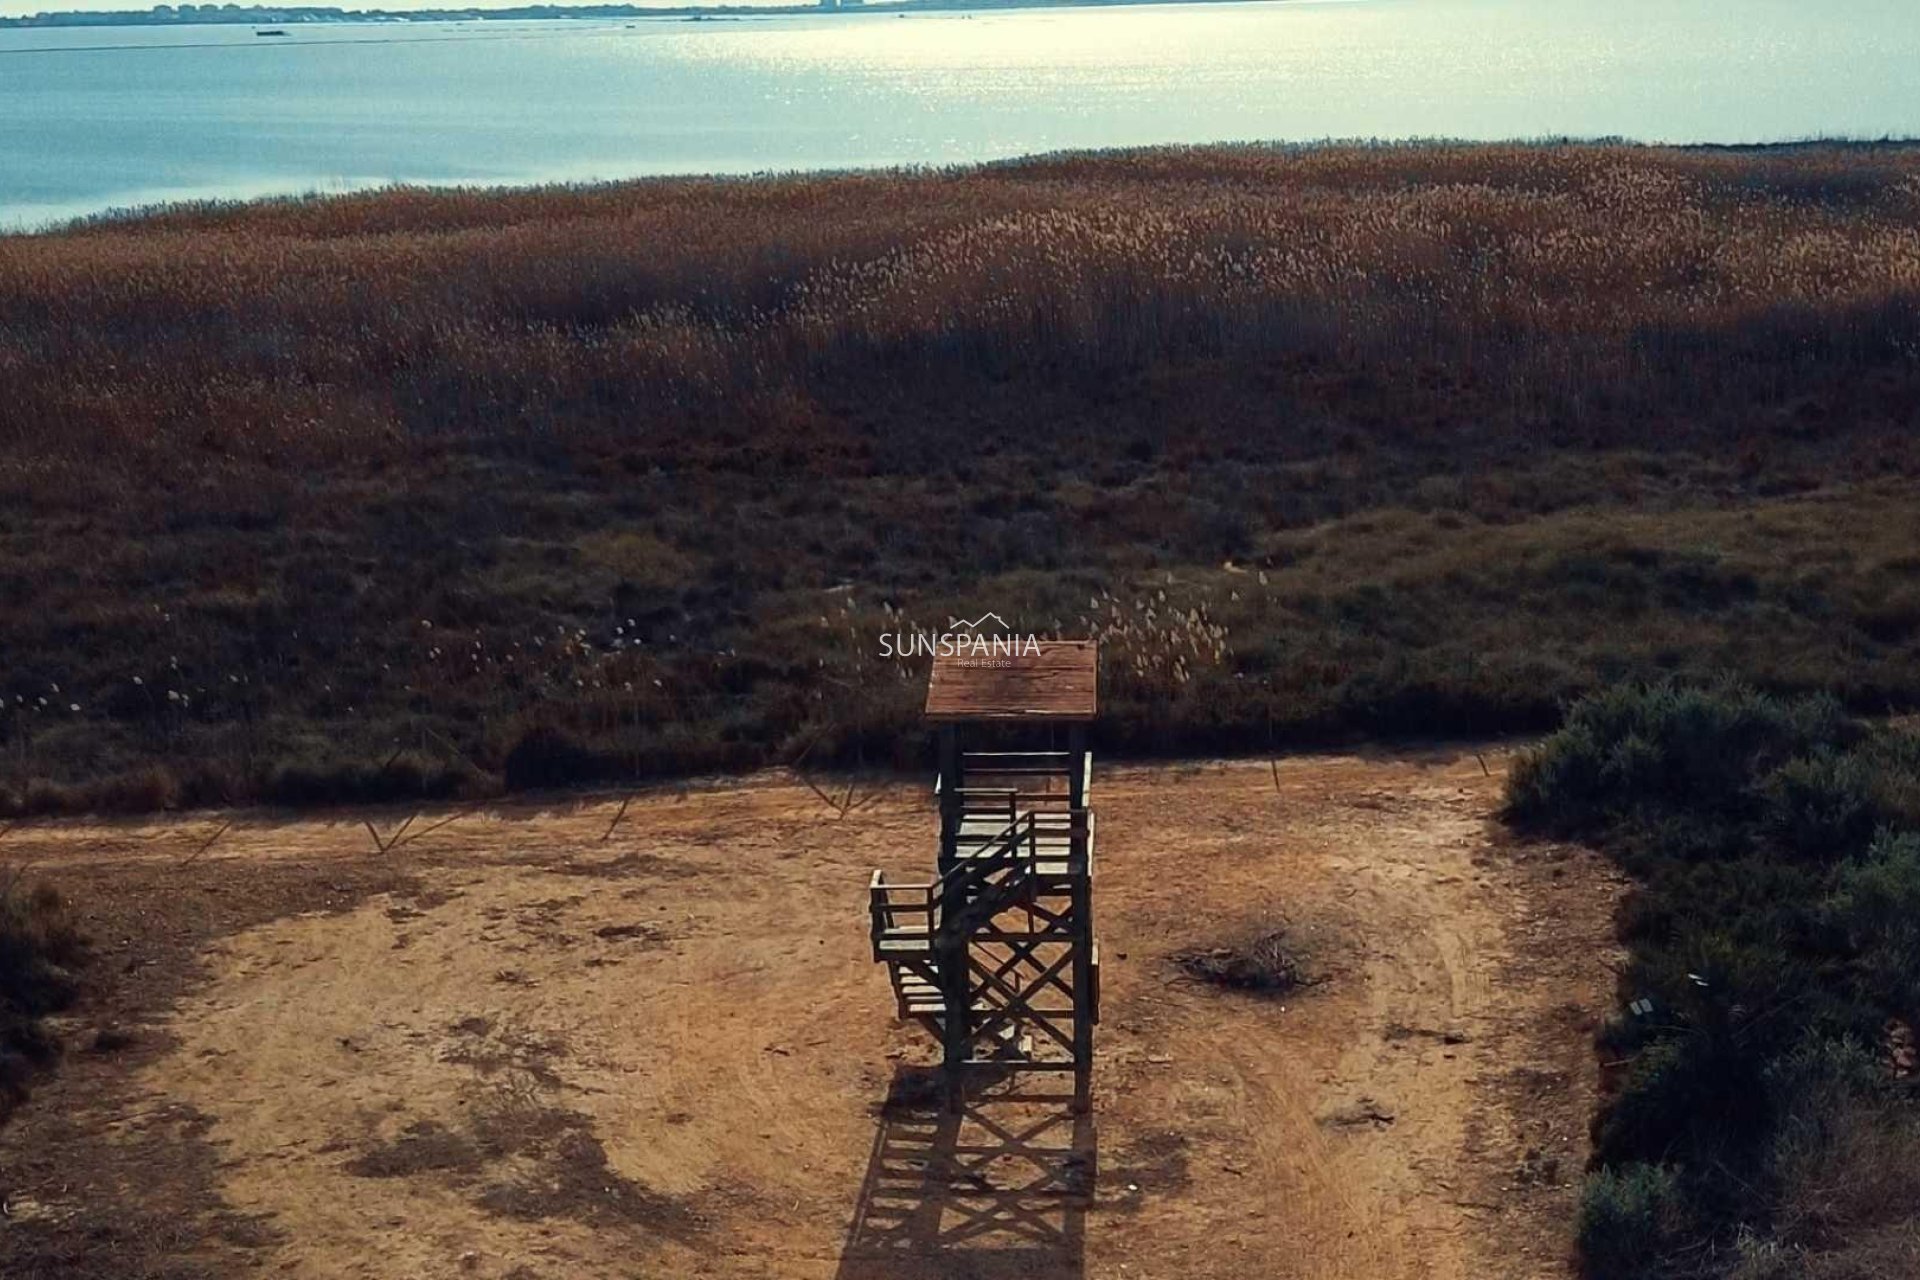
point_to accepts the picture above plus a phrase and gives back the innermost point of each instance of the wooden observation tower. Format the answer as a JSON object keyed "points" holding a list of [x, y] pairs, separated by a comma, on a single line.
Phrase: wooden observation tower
{"points": [[996, 955]]}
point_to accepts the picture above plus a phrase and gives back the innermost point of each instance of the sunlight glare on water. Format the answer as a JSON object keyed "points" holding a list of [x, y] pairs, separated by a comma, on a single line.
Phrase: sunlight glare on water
{"points": [[92, 118]]}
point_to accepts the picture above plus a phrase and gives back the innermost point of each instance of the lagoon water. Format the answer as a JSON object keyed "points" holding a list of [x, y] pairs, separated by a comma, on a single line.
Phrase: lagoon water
{"points": [[110, 117]]}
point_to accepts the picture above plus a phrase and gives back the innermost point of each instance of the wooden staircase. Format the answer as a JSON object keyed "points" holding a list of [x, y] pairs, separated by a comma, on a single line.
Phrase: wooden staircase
{"points": [[920, 930], [983, 955]]}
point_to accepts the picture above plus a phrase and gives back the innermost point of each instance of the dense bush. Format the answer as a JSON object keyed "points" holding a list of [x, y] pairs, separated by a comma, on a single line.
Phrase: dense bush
{"points": [[1637, 753], [402, 776], [1758, 1126], [40, 950], [546, 756]]}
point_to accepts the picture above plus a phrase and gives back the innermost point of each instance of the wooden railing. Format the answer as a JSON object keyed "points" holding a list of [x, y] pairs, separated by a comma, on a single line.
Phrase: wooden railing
{"points": [[904, 910], [1017, 763], [900, 910], [998, 767]]}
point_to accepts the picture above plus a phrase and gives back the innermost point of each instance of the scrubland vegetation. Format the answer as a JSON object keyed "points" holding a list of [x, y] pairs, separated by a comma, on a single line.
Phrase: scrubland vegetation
{"points": [[40, 952], [425, 493], [1765, 1107]]}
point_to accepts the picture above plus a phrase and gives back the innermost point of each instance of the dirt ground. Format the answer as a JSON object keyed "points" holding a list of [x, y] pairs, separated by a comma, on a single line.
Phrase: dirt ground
{"points": [[646, 1038]]}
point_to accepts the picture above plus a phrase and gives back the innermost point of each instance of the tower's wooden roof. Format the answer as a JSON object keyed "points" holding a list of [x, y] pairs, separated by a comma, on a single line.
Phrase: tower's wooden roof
{"points": [[1056, 683]]}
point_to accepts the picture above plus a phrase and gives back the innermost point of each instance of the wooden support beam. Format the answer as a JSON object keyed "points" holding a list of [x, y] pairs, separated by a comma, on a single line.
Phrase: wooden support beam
{"points": [[1083, 991], [956, 1020], [1077, 771], [952, 801]]}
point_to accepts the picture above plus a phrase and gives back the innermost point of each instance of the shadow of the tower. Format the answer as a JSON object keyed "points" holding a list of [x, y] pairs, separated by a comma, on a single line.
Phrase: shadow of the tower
{"points": [[999, 1189]]}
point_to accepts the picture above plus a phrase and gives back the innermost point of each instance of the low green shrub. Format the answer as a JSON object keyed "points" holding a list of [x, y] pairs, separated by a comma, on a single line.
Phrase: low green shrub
{"points": [[1821, 806], [1875, 904], [1630, 1219], [1693, 1096]]}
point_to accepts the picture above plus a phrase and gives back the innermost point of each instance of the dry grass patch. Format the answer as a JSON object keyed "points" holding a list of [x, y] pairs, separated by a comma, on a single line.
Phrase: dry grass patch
{"points": [[1267, 961]]}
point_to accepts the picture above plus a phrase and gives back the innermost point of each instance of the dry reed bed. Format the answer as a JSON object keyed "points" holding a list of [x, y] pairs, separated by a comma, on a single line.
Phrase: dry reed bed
{"points": [[660, 461], [335, 324]]}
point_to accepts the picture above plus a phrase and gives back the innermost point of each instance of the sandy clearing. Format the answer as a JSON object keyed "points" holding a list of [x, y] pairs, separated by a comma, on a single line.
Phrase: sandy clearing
{"points": [[664, 1051]]}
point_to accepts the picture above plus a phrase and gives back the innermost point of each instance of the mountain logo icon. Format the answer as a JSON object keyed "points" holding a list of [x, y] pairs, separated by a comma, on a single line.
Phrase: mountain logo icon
{"points": [[961, 624]]}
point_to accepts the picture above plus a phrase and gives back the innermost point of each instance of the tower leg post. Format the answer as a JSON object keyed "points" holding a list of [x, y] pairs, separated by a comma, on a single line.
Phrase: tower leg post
{"points": [[956, 986]]}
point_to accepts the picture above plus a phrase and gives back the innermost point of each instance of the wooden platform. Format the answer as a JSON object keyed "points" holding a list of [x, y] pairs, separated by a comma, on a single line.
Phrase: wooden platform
{"points": [[1053, 844], [1058, 683]]}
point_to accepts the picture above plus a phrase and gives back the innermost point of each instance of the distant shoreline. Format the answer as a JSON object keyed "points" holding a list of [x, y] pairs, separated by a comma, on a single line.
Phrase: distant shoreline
{"points": [[263, 15], [133, 212]]}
